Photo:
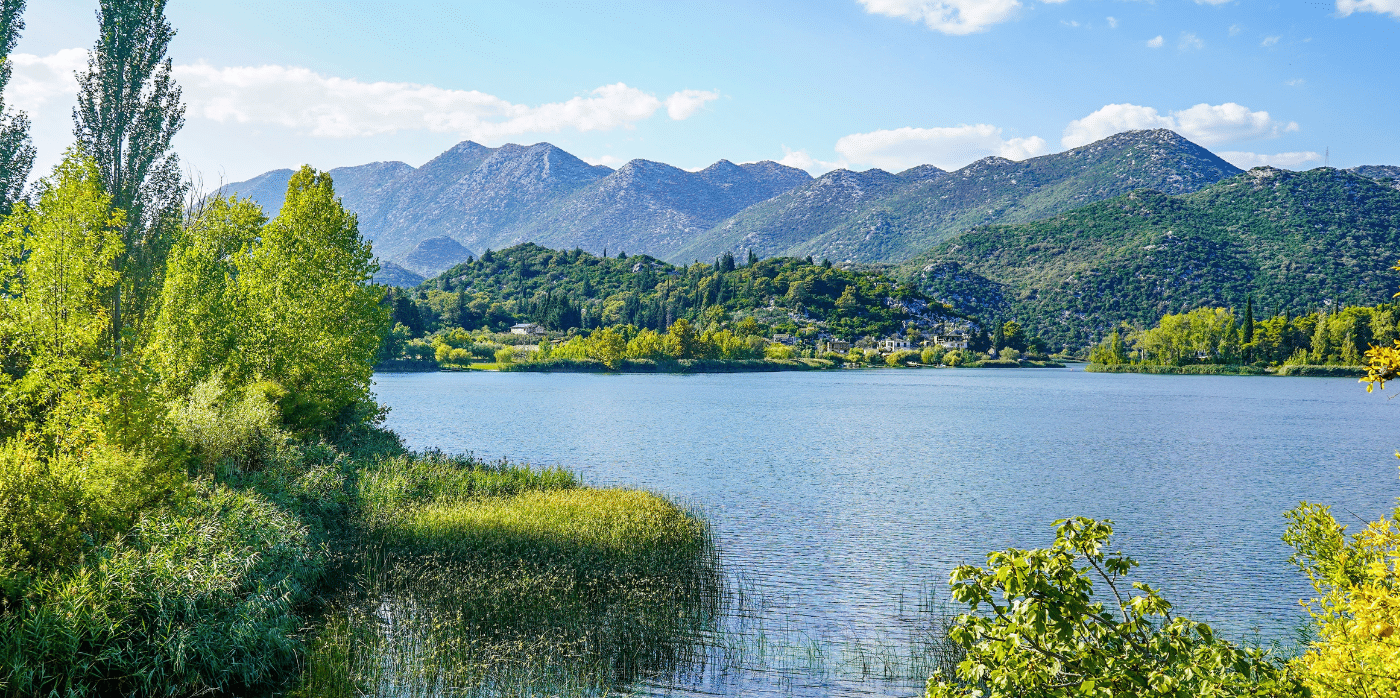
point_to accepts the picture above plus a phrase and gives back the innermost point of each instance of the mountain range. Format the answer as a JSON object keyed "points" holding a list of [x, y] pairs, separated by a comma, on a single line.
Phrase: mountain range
{"points": [[485, 198], [1290, 240]]}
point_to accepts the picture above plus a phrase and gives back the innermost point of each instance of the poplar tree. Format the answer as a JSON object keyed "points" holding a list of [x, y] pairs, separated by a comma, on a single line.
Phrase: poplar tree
{"points": [[16, 150], [128, 112]]}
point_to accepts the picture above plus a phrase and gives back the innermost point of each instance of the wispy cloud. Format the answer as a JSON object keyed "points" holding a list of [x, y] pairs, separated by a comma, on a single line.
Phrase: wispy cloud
{"points": [[1289, 161], [1190, 42], [946, 147], [1385, 7], [1204, 123], [1155, 42], [335, 107], [1112, 22], [1270, 41], [804, 161], [947, 16]]}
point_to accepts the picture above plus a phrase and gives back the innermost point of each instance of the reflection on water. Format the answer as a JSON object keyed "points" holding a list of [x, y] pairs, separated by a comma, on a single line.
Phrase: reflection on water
{"points": [[833, 495]]}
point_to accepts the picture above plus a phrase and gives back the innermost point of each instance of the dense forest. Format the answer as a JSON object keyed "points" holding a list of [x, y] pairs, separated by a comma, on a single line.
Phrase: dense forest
{"points": [[564, 290]]}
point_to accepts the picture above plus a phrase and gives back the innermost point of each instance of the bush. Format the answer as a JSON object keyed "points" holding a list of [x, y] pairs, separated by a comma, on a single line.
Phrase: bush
{"points": [[932, 356], [1036, 628], [196, 598], [505, 355], [777, 352], [902, 357], [221, 426]]}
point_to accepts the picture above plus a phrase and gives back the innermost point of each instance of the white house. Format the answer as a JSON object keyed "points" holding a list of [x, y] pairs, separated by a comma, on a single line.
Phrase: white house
{"points": [[527, 328], [893, 344], [952, 341]]}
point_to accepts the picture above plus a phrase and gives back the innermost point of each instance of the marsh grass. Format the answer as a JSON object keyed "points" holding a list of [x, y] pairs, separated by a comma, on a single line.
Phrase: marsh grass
{"points": [[492, 579]]}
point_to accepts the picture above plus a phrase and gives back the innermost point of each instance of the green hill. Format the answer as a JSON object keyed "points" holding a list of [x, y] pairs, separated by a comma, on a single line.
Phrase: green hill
{"points": [[1295, 241], [562, 290]]}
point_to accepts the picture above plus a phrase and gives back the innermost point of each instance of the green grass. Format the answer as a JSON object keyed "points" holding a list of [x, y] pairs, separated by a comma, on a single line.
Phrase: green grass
{"points": [[555, 590]]}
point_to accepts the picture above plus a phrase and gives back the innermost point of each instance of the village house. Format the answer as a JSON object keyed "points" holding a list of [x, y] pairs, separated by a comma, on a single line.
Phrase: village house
{"points": [[893, 344], [528, 328], [837, 345], [951, 341]]}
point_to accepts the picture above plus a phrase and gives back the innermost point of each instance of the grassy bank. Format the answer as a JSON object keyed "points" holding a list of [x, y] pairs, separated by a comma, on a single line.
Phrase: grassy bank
{"points": [[1008, 363], [1231, 370], [679, 366], [349, 564], [514, 582]]}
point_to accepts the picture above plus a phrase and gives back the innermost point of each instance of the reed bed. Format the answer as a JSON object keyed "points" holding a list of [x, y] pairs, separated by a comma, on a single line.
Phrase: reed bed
{"points": [[495, 580]]}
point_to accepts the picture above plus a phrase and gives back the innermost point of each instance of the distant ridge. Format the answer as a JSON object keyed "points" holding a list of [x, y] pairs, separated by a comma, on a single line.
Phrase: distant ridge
{"points": [[874, 216], [496, 197]]}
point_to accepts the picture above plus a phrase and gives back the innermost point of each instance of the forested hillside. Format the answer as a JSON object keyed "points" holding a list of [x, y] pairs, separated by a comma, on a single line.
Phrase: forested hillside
{"points": [[574, 289], [1293, 241]]}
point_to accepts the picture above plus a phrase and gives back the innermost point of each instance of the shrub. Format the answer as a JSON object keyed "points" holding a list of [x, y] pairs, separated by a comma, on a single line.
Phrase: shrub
{"points": [[505, 355], [931, 355], [222, 426], [901, 357], [777, 352], [1037, 629], [195, 598]]}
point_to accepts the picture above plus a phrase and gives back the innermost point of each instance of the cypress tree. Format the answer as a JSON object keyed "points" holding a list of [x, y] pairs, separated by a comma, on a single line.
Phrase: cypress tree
{"points": [[128, 111], [16, 150], [1249, 319]]}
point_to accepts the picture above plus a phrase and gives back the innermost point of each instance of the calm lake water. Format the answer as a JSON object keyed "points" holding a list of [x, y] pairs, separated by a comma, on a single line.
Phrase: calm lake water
{"points": [[839, 498]]}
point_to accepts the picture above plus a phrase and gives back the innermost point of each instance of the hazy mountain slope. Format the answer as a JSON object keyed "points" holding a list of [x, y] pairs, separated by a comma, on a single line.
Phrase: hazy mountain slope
{"points": [[434, 255], [1291, 240], [654, 208], [495, 197], [916, 211], [268, 189], [787, 222]]}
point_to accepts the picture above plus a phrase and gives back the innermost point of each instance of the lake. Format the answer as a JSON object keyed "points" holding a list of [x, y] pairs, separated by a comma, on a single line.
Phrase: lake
{"points": [[841, 499]]}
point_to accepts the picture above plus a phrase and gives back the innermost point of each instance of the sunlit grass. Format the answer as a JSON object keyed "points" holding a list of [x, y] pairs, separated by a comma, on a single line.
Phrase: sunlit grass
{"points": [[550, 589]]}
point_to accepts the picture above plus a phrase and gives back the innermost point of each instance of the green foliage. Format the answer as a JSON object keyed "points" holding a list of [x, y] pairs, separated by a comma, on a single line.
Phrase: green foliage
{"points": [[16, 150], [127, 114], [1038, 629], [1135, 258], [901, 357], [1357, 607], [286, 300], [198, 597], [563, 290]]}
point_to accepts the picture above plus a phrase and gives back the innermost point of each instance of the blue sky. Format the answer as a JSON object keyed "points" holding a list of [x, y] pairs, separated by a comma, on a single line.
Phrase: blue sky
{"points": [[817, 84]]}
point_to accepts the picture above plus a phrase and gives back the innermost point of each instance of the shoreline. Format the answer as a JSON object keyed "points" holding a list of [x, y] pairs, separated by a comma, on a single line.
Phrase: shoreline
{"points": [[1294, 371]]}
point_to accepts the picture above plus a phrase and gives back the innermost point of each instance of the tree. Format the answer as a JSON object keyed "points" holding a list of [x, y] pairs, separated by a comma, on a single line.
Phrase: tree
{"points": [[1036, 628], [288, 300], [16, 150], [128, 111]]}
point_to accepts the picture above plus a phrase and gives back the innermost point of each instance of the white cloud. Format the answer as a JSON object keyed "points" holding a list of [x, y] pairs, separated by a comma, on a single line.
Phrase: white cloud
{"points": [[1385, 7], [947, 16], [1190, 41], [803, 161], [38, 81], [1211, 2], [1289, 161], [610, 160], [300, 99], [1155, 42], [1204, 123], [682, 105], [1270, 40], [1295, 82], [1111, 119], [1112, 23], [1235, 30], [948, 148]]}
